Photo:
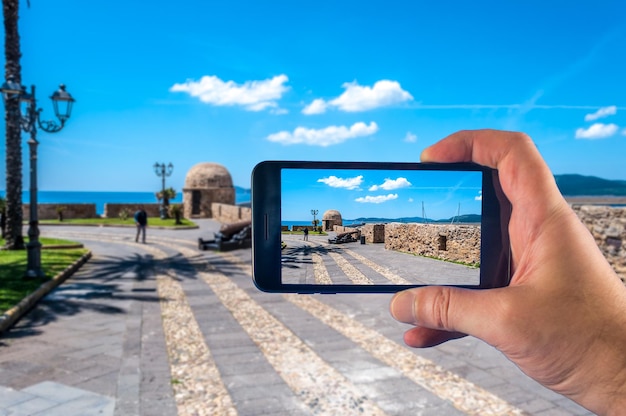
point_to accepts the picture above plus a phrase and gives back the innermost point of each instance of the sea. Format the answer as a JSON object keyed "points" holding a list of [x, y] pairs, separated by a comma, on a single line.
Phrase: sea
{"points": [[242, 196]]}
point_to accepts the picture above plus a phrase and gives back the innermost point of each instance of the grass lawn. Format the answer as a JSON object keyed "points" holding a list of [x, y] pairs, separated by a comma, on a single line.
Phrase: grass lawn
{"points": [[301, 233], [13, 265], [152, 222]]}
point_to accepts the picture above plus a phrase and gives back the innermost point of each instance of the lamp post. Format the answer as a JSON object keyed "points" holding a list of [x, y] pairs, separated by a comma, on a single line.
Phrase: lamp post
{"points": [[29, 122], [163, 171], [314, 213]]}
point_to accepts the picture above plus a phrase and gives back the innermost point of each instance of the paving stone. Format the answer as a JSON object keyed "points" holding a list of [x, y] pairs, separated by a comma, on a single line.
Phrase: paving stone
{"points": [[10, 397]]}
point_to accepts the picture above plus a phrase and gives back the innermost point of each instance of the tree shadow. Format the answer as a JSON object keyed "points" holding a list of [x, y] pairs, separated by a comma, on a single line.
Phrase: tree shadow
{"points": [[104, 285], [294, 257]]}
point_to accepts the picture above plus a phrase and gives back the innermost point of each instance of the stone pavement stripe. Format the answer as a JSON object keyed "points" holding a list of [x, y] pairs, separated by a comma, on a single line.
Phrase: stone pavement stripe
{"points": [[352, 272], [319, 385], [465, 395], [195, 377], [196, 381], [394, 278], [319, 271]]}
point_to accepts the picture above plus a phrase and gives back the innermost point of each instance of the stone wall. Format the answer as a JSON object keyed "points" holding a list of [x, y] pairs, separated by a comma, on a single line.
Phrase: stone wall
{"points": [[49, 211], [113, 210], [608, 227], [207, 198], [449, 242], [374, 233], [227, 214]]}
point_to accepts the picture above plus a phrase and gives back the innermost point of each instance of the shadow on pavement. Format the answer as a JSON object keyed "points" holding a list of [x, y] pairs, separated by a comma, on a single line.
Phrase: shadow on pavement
{"points": [[99, 284], [293, 256]]}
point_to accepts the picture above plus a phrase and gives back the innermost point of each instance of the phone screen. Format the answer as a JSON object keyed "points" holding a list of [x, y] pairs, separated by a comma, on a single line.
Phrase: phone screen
{"points": [[380, 227]]}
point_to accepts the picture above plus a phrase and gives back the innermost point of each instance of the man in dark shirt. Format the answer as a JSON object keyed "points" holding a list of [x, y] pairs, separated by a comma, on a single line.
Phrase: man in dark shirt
{"points": [[141, 220]]}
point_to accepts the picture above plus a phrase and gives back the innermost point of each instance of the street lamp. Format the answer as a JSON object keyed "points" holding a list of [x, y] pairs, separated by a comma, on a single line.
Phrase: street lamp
{"points": [[314, 213], [29, 122], [163, 171]]}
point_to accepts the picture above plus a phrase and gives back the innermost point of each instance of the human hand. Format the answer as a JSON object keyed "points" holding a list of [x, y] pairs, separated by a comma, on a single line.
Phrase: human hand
{"points": [[562, 319]]}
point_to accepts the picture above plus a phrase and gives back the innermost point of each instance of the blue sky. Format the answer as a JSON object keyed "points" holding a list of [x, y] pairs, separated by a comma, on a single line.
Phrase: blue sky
{"points": [[239, 82], [379, 193]]}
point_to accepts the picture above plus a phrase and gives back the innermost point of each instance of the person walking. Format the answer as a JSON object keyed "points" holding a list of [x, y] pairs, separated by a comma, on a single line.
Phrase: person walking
{"points": [[306, 234], [141, 220]]}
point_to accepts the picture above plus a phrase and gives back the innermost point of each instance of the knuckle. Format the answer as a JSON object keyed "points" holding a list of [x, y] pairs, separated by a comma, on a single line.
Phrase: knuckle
{"points": [[441, 308]]}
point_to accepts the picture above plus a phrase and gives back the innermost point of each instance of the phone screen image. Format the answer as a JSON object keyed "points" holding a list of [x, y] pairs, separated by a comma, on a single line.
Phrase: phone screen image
{"points": [[380, 227]]}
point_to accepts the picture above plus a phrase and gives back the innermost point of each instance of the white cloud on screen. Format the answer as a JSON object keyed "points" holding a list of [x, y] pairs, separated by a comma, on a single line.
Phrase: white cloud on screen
{"points": [[324, 137], [358, 98], [251, 95], [410, 137], [391, 184], [597, 131], [601, 113], [479, 197], [347, 183], [369, 199]]}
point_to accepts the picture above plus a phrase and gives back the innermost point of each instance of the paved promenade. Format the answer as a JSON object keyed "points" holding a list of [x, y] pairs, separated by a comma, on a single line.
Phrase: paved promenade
{"points": [[165, 329]]}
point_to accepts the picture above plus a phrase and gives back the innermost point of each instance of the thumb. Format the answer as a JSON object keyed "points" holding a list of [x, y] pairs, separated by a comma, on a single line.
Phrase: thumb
{"points": [[444, 308]]}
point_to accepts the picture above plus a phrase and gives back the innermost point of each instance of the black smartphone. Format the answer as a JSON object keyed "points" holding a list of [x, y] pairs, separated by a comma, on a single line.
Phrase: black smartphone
{"points": [[354, 227]]}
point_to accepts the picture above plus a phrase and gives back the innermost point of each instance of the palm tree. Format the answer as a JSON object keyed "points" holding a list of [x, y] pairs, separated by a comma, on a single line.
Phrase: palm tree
{"points": [[13, 228], [166, 195]]}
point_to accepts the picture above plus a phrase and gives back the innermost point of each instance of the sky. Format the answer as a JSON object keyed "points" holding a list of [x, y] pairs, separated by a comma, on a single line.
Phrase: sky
{"points": [[239, 82], [356, 194]]}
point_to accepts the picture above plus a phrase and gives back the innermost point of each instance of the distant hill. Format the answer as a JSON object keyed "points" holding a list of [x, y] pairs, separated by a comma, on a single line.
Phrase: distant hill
{"points": [[470, 218], [579, 185]]}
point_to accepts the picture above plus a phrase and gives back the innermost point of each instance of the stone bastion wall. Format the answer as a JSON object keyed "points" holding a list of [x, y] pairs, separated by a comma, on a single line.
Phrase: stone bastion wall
{"points": [[608, 227], [460, 243], [227, 214], [49, 211], [223, 213]]}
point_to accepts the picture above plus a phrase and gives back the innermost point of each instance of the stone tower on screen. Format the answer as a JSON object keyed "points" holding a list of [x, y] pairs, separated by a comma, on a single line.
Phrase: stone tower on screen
{"points": [[205, 184]]}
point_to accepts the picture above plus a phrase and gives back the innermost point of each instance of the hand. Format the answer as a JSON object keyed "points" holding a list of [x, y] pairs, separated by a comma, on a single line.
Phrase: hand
{"points": [[562, 320]]}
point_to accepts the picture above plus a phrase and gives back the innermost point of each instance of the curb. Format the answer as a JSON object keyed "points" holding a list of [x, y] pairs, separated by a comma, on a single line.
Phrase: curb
{"points": [[156, 227], [62, 246], [10, 317]]}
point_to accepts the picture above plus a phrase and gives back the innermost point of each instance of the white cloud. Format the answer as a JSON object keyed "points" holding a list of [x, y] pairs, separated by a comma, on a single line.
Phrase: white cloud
{"points": [[391, 184], [324, 137], [279, 111], [597, 131], [252, 95], [601, 113], [348, 183], [479, 197], [318, 106], [410, 137], [357, 98], [376, 199]]}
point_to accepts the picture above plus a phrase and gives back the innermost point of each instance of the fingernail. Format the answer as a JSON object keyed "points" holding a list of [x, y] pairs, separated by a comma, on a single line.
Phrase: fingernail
{"points": [[402, 307]]}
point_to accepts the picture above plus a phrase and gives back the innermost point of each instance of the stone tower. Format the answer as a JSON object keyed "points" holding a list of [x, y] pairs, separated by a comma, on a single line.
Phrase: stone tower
{"points": [[206, 183], [331, 218]]}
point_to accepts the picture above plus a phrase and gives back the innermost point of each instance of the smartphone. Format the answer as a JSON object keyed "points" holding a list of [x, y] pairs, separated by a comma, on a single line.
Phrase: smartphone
{"points": [[354, 227]]}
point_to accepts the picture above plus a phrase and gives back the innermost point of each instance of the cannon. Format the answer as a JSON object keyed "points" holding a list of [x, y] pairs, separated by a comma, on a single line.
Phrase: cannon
{"points": [[347, 237], [230, 237]]}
